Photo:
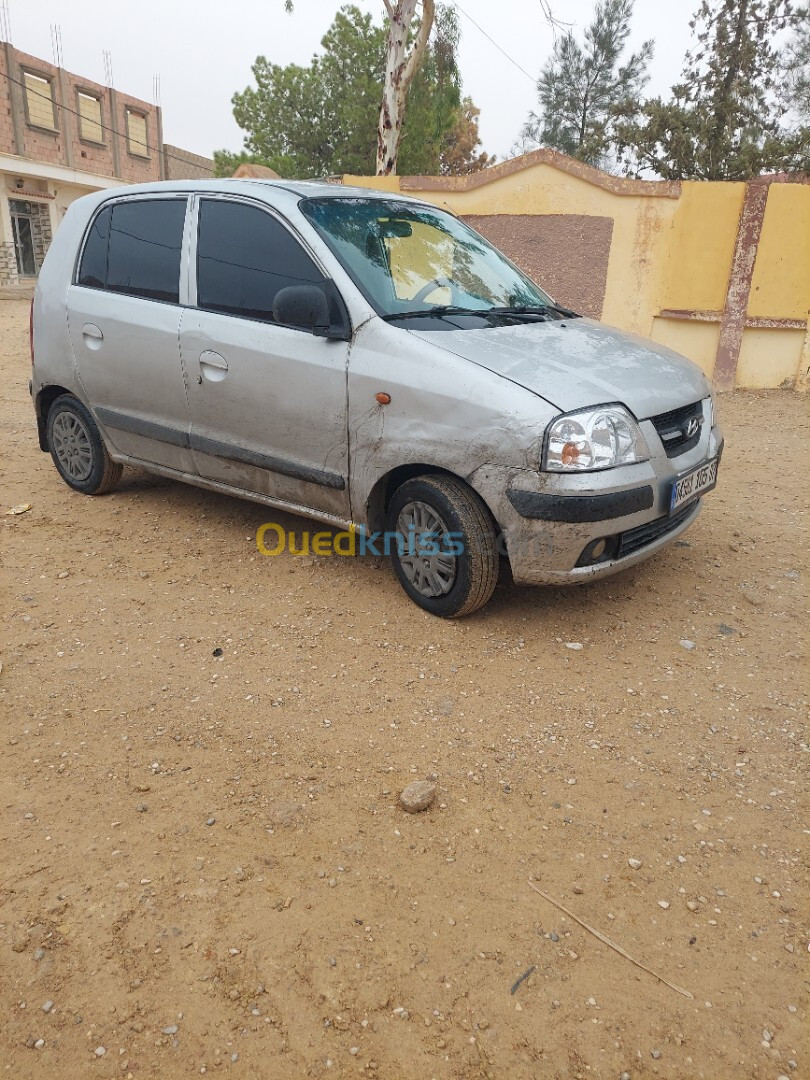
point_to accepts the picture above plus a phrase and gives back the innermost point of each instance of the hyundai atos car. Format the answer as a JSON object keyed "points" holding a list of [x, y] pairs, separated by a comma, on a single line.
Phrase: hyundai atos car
{"points": [[370, 361]]}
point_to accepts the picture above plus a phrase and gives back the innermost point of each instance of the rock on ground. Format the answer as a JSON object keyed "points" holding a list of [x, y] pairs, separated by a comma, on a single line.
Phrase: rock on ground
{"points": [[417, 796]]}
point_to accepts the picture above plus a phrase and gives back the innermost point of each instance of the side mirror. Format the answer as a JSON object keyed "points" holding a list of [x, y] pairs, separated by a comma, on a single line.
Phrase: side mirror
{"points": [[305, 306]]}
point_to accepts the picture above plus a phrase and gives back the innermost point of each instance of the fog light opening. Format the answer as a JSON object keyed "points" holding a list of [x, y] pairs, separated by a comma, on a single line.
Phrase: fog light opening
{"points": [[598, 551]]}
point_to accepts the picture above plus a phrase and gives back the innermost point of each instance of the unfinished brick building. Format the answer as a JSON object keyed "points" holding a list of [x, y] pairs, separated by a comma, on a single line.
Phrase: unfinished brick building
{"points": [[62, 136]]}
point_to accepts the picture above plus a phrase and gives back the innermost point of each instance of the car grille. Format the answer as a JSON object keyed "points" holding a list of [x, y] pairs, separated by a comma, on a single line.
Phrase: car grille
{"points": [[635, 539], [673, 427]]}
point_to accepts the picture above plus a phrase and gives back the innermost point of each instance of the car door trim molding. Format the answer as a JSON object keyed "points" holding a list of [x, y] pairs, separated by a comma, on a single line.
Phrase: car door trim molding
{"points": [[308, 473], [137, 425], [242, 493]]}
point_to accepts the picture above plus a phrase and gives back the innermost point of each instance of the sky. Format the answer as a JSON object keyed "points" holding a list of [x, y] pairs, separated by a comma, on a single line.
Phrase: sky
{"points": [[202, 51]]}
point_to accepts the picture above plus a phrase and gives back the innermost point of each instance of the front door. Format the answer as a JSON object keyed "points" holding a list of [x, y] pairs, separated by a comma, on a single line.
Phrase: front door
{"points": [[268, 402], [124, 321]]}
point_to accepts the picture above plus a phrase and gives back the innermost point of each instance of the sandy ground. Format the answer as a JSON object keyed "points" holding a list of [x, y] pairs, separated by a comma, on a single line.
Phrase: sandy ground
{"points": [[204, 866]]}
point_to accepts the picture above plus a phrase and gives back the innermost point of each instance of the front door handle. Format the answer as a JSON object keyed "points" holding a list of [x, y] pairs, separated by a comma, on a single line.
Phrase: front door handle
{"points": [[213, 366]]}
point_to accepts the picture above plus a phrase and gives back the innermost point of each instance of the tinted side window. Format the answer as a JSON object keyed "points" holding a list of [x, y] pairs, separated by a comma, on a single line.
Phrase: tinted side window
{"points": [[143, 259], [93, 271], [244, 256]]}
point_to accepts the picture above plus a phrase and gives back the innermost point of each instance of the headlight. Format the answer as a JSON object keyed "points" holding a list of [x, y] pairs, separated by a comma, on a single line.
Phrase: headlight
{"points": [[593, 439]]}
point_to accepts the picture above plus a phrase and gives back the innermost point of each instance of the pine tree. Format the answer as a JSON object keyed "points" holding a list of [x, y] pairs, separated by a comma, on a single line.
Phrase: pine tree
{"points": [[723, 120], [796, 67], [584, 87]]}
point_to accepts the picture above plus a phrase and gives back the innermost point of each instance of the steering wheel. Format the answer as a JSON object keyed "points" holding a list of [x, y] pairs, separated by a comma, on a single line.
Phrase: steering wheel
{"points": [[432, 285]]}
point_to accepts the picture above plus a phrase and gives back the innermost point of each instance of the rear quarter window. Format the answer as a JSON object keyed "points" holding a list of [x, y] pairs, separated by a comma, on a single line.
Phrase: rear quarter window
{"points": [[93, 270], [134, 248]]}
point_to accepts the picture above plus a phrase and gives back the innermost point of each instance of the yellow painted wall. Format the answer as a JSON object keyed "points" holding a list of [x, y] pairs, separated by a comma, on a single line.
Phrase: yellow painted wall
{"points": [[378, 183], [697, 340], [769, 358], [701, 246], [781, 284], [672, 253]]}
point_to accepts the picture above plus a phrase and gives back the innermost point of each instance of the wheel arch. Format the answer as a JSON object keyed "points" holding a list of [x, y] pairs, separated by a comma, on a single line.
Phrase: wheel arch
{"points": [[380, 495], [42, 406]]}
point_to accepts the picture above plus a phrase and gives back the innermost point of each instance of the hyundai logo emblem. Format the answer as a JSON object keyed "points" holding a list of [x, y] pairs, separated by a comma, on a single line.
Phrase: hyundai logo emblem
{"points": [[692, 427]]}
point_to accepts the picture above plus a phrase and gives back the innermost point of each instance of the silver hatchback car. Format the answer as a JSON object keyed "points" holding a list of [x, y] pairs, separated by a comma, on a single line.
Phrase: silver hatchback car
{"points": [[371, 361]]}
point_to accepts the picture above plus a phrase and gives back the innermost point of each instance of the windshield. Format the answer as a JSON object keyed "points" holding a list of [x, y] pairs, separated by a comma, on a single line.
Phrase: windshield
{"points": [[407, 258]]}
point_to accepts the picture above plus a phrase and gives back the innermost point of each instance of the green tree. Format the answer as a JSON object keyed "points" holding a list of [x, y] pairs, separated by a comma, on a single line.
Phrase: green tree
{"points": [[226, 162], [461, 153], [434, 100], [318, 120], [406, 35], [724, 119], [322, 119], [796, 67], [583, 88]]}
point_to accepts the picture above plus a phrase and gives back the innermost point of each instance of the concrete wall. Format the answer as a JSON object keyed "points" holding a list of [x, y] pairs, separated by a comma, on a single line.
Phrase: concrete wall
{"points": [[535, 241], [183, 165], [717, 271]]}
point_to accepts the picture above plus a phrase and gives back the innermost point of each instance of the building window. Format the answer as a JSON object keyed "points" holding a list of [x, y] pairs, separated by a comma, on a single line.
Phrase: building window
{"points": [[136, 134], [39, 101], [90, 126]]}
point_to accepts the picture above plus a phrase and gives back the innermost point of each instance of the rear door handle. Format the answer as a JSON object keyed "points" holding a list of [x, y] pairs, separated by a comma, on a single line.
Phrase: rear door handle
{"points": [[213, 366], [92, 335]]}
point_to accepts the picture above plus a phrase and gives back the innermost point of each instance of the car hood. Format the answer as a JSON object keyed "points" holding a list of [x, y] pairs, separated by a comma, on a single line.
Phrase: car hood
{"points": [[579, 362]]}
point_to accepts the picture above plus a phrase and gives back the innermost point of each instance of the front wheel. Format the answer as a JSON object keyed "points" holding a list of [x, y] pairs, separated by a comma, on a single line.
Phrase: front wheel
{"points": [[77, 449], [444, 548]]}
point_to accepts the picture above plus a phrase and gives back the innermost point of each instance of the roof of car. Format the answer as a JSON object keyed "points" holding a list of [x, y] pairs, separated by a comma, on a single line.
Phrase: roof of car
{"points": [[301, 188], [325, 188]]}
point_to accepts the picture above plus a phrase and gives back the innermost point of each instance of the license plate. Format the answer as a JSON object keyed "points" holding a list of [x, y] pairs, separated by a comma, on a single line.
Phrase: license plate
{"points": [[693, 484]]}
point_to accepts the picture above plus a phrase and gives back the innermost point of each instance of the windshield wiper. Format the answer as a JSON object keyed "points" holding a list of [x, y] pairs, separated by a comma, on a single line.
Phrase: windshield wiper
{"points": [[538, 312], [564, 311], [439, 312]]}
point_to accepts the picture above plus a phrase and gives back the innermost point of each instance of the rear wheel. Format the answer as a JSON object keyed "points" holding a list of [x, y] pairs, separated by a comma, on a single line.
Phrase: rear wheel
{"points": [[445, 554], [77, 449]]}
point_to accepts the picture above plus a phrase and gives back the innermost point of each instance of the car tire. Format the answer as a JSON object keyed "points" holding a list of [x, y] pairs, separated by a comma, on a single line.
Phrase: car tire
{"points": [[77, 449], [444, 503]]}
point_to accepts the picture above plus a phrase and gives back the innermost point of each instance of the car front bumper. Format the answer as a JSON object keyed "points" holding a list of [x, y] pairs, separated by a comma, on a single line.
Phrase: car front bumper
{"points": [[552, 524]]}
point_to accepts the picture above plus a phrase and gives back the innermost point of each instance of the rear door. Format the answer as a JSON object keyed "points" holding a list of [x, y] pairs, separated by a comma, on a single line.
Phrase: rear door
{"points": [[124, 321], [268, 402]]}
